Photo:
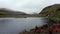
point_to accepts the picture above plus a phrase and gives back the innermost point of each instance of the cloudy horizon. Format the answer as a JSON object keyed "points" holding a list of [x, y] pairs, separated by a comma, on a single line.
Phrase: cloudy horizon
{"points": [[27, 6]]}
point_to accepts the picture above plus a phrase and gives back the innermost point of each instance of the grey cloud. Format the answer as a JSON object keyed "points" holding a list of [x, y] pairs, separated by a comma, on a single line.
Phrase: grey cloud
{"points": [[28, 6]]}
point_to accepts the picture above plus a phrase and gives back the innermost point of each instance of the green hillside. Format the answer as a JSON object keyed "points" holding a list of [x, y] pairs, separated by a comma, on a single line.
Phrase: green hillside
{"points": [[56, 15], [51, 11], [11, 13]]}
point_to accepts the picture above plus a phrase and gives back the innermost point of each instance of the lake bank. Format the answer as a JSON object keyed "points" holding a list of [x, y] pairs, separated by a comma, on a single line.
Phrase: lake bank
{"points": [[51, 22]]}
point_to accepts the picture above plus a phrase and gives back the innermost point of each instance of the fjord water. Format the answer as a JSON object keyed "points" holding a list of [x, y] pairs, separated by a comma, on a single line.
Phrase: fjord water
{"points": [[16, 25]]}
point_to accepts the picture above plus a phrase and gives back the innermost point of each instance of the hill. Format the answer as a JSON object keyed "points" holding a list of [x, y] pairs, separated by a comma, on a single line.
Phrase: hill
{"points": [[51, 11], [10, 13]]}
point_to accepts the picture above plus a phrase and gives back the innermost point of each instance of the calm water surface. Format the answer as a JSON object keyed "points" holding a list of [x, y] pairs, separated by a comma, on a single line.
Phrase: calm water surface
{"points": [[16, 25]]}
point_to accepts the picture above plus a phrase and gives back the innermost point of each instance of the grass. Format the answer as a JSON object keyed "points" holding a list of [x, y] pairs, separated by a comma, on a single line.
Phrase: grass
{"points": [[56, 15], [41, 15]]}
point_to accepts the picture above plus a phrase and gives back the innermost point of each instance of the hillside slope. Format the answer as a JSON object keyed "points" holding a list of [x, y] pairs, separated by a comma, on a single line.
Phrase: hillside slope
{"points": [[10, 13], [51, 11]]}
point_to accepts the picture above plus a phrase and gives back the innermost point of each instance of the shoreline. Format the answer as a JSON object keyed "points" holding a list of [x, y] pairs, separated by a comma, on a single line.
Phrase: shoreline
{"points": [[43, 31]]}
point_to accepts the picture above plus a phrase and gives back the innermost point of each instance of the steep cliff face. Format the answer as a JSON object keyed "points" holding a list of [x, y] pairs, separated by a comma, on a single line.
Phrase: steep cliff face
{"points": [[53, 11], [10, 13]]}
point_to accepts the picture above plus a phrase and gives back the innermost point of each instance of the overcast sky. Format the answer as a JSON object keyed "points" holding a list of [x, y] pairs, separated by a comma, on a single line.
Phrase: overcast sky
{"points": [[28, 6]]}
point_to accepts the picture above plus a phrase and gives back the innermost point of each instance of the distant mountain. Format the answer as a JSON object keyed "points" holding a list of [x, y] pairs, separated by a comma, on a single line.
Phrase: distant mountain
{"points": [[51, 11], [10, 13]]}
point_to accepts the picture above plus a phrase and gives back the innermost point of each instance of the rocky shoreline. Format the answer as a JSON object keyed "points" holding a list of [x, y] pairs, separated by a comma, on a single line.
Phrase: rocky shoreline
{"points": [[45, 28]]}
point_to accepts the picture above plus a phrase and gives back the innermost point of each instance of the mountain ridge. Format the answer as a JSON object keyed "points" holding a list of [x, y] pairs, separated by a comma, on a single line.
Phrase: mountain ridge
{"points": [[10, 13], [51, 11]]}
